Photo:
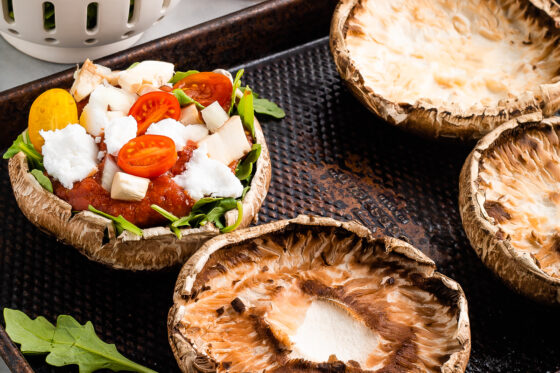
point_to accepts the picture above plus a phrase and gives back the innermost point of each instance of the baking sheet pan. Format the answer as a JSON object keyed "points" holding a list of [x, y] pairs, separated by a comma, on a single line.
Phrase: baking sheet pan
{"points": [[330, 157]]}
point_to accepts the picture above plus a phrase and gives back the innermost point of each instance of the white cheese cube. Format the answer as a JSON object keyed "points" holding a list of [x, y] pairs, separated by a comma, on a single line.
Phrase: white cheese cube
{"points": [[190, 115], [96, 115], [87, 79], [110, 168], [116, 99], [214, 116], [155, 73], [229, 143], [147, 88], [224, 72], [128, 187]]}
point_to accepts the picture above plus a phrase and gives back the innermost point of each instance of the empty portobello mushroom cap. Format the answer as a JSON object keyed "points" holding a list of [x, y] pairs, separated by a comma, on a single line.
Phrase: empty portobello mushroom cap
{"points": [[509, 195], [95, 236], [315, 294], [449, 68]]}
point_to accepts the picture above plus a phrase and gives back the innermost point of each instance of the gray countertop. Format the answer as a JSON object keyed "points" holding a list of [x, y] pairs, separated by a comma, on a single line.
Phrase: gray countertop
{"points": [[18, 68]]}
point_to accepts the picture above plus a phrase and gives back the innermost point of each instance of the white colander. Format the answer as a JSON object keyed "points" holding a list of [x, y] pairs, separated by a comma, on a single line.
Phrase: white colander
{"points": [[70, 35]]}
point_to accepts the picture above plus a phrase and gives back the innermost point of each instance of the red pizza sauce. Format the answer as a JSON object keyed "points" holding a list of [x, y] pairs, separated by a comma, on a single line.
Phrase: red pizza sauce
{"points": [[162, 191]]}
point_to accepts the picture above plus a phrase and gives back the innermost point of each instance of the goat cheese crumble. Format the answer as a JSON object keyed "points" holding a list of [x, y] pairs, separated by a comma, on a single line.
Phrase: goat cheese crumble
{"points": [[205, 177], [69, 154]]}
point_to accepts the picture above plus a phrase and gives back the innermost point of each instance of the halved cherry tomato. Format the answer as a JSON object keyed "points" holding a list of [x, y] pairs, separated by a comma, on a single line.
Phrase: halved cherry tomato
{"points": [[153, 107], [206, 88], [147, 156]]}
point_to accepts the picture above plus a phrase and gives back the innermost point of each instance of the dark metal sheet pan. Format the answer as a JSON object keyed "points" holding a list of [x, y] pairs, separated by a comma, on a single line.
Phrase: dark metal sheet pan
{"points": [[330, 157]]}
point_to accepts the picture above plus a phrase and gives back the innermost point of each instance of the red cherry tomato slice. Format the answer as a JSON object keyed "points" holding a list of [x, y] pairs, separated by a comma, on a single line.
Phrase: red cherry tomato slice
{"points": [[206, 88], [153, 107], [147, 156]]}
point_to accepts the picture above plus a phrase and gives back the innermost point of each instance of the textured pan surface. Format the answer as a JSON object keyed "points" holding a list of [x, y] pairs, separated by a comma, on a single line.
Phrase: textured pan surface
{"points": [[328, 159]]}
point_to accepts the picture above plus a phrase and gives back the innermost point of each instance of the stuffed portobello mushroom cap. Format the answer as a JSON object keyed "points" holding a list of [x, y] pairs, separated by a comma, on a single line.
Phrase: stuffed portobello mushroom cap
{"points": [[449, 69], [314, 294], [509, 198], [95, 236]]}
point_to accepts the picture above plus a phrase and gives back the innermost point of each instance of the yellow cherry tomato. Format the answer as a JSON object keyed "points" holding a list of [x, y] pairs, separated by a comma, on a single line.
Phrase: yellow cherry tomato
{"points": [[53, 109]]}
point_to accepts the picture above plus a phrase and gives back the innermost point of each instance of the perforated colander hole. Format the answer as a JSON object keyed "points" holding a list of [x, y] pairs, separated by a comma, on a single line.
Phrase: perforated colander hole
{"points": [[8, 9], [15, 32], [130, 11], [48, 16], [160, 18], [90, 41], [127, 34], [92, 15], [51, 40]]}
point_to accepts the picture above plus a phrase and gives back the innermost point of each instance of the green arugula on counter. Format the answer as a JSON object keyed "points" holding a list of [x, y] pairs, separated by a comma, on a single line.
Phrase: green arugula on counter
{"points": [[121, 224], [67, 343]]}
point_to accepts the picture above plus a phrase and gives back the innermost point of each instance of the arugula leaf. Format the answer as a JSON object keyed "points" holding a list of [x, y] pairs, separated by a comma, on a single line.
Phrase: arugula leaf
{"points": [[266, 107], [245, 190], [67, 343], [165, 213], [192, 220], [35, 336], [131, 66], [204, 201], [48, 16], [120, 222], [11, 9], [168, 216], [207, 210], [179, 75], [236, 84], [22, 144], [234, 226], [186, 100], [246, 112], [220, 209], [245, 167], [42, 179]]}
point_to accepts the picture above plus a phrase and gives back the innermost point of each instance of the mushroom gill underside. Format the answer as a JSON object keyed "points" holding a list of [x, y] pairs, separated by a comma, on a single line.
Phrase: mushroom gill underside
{"points": [[519, 181], [472, 53], [328, 302]]}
